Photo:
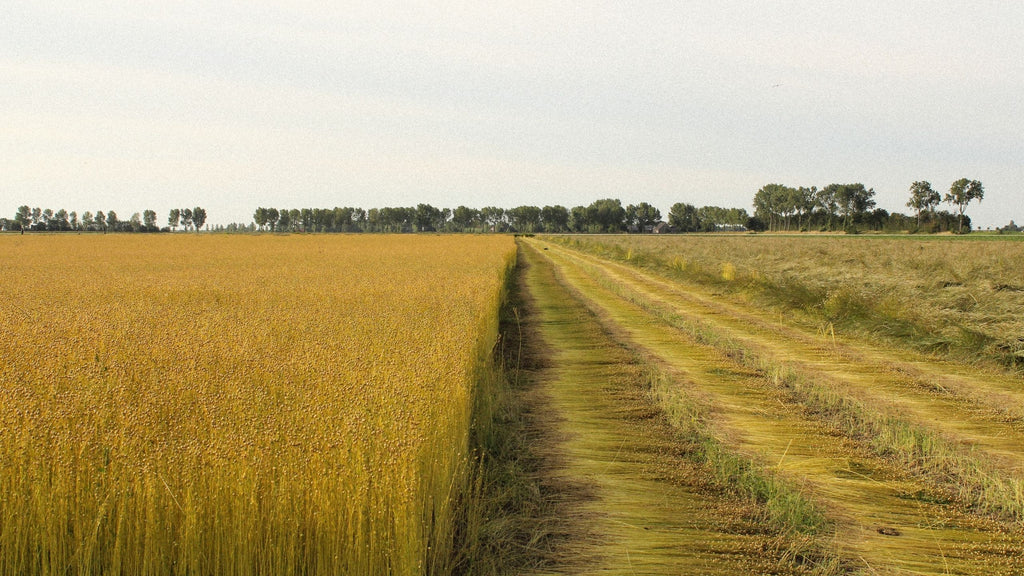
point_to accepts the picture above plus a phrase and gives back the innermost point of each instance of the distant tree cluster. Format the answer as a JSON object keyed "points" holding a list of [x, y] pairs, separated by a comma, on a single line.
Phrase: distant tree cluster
{"points": [[684, 217], [852, 207], [40, 220], [188, 218]]}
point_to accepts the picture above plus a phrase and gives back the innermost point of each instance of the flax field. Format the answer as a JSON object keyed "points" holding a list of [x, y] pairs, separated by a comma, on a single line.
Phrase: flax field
{"points": [[240, 404]]}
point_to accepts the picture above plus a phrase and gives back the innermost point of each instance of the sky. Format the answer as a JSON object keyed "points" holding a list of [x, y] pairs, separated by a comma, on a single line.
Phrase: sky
{"points": [[289, 104]]}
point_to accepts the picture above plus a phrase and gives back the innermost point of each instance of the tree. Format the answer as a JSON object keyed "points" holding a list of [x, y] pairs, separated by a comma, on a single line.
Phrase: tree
{"points": [[284, 219], [186, 218], [135, 222], [960, 195], [23, 218], [149, 219], [825, 200], [772, 202], [198, 217], [494, 217], [174, 218], [524, 218], [112, 221], [642, 215], [272, 216], [463, 218], [854, 200], [87, 221], [260, 217], [802, 200], [606, 215], [60, 220], [683, 217], [427, 218], [923, 199], [101, 220], [555, 218]]}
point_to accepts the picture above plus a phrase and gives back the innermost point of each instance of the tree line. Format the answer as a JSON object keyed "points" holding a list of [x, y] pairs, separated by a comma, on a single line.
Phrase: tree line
{"points": [[607, 215], [46, 220], [852, 207], [777, 207]]}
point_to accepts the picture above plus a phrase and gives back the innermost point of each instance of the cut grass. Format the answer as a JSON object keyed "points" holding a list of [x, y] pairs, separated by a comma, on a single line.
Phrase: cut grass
{"points": [[655, 416], [958, 299], [966, 475], [861, 487]]}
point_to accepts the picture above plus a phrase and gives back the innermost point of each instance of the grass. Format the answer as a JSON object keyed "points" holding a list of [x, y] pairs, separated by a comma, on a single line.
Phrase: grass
{"points": [[957, 298], [801, 533], [772, 409], [967, 476]]}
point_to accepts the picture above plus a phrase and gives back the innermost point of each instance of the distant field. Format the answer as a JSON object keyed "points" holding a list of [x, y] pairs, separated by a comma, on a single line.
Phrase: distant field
{"points": [[956, 295], [235, 405]]}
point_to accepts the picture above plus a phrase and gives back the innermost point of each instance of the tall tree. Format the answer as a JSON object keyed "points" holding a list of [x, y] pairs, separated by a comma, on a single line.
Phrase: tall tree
{"points": [[524, 218], [174, 218], [463, 218], [427, 218], [772, 203], [555, 218], [642, 215], [23, 218], [923, 199], [961, 193], [854, 200], [684, 217], [827, 203], [607, 215], [60, 220], [494, 217], [149, 219], [260, 217]]}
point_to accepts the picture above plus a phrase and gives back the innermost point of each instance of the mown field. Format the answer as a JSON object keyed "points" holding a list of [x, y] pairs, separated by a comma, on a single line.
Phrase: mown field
{"points": [[949, 295], [842, 386], [240, 405]]}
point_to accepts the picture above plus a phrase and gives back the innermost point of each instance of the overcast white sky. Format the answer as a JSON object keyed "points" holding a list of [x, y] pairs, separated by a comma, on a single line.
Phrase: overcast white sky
{"points": [[233, 105]]}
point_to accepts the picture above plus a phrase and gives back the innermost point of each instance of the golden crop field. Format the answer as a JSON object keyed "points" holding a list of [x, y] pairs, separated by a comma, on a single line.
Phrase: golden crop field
{"points": [[239, 404]]}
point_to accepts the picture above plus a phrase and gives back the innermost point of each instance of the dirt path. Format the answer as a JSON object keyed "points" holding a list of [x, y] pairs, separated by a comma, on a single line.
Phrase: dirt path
{"points": [[888, 521], [650, 509]]}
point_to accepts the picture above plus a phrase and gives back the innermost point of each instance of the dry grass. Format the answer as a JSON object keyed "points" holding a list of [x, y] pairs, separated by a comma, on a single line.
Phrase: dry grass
{"points": [[243, 405], [940, 295], [870, 471]]}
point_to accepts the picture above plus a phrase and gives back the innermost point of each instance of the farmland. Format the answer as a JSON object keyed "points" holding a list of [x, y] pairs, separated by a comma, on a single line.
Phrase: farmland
{"points": [[868, 450], [314, 404], [242, 405]]}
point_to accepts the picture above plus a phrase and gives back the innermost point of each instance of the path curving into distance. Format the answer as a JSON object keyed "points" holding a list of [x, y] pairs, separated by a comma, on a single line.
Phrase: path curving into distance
{"points": [[887, 521]]}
